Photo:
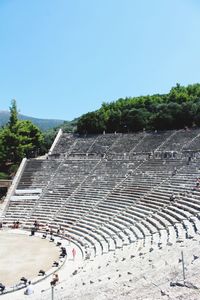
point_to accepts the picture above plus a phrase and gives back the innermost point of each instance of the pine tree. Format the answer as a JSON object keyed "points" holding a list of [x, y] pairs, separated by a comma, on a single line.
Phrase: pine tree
{"points": [[13, 115]]}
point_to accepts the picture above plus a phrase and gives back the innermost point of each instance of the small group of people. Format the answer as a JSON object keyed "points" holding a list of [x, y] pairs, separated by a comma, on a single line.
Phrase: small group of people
{"points": [[64, 253], [30, 288], [60, 231], [48, 229]]}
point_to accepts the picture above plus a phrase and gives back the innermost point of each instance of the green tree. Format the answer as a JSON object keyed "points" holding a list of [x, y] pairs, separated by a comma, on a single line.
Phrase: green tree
{"points": [[197, 114], [136, 119], [113, 122], [91, 123], [18, 139], [13, 115], [30, 139], [10, 143], [162, 119]]}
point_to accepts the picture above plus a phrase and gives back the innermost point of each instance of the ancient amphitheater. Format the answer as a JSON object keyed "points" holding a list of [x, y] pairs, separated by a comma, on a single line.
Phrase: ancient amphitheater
{"points": [[111, 195]]}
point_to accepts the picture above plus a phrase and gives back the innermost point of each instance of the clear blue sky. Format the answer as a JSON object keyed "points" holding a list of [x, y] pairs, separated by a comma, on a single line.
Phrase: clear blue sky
{"points": [[62, 58]]}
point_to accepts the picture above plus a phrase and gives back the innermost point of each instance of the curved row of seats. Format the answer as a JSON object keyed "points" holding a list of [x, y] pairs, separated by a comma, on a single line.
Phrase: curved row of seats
{"points": [[171, 140], [104, 204]]}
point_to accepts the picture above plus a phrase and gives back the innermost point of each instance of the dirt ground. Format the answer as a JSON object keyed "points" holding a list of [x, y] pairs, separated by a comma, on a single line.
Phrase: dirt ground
{"points": [[24, 255]]}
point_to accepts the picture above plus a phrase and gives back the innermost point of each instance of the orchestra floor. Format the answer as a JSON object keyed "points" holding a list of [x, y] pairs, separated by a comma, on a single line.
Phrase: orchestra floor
{"points": [[22, 255]]}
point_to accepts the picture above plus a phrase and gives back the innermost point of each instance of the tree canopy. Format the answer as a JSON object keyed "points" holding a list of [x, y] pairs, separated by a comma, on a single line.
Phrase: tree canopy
{"points": [[177, 109], [18, 139]]}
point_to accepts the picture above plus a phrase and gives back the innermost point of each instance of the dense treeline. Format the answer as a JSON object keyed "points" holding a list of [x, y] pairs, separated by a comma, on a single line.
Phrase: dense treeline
{"points": [[177, 109]]}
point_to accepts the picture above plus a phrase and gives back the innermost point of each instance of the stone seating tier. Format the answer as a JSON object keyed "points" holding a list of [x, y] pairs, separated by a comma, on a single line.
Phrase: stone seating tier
{"points": [[143, 142], [108, 203]]}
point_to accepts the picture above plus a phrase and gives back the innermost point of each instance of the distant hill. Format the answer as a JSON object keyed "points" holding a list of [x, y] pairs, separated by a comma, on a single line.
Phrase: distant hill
{"points": [[43, 124]]}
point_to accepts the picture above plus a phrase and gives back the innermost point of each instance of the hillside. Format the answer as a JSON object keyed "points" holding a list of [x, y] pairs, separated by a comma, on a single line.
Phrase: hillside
{"points": [[177, 109], [43, 124]]}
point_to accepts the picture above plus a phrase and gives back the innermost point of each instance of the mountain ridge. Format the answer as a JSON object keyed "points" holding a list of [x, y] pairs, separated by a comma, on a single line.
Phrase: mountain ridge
{"points": [[43, 124]]}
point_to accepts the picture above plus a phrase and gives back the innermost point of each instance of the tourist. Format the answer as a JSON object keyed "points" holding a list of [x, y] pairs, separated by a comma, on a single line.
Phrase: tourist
{"points": [[63, 252], [2, 288], [174, 171], [197, 182], [36, 225], [73, 253], [59, 228], [33, 231], [14, 225], [69, 239], [189, 160], [87, 254], [30, 289], [47, 228], [172, 198], [17, 224], [54, 280], [63, 233], [51, 232]]}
